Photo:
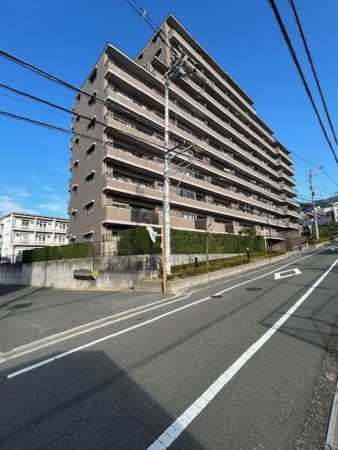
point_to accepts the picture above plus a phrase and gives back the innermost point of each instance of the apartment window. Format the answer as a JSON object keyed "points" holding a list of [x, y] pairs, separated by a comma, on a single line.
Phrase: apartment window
{"points": [[188, 216], [90, 153], [78, 98], [92, 101], [25, 223], [90, 178], [91, 124], [140, 183], [24, 238], [154, 39], [42, 224], [89, 237], [92, 76], [76, 142], [187, 194], [188, 173], [89, 208]]}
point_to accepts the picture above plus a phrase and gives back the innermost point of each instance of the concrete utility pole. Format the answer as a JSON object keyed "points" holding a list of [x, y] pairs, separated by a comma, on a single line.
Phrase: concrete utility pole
{"points": [[176, 70], [313, 193]]}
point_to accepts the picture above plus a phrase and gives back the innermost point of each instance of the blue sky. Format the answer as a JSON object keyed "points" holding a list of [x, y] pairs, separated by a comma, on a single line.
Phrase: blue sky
{"points": [[65, 38]]}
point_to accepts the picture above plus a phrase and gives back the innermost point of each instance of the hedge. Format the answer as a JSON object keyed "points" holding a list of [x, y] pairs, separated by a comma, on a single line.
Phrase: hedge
{"points": [[80, 250], [189, 270], [136, 241]]}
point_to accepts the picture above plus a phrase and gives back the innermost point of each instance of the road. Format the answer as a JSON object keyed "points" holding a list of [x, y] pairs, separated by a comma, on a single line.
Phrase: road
{"points": [[231, 365]]}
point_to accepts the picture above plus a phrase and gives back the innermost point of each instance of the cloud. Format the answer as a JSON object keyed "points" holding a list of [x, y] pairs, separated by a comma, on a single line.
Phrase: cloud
{"points": [[53, 207], [18, 192], [14, 199], [35, 177], [9, 205], [53, 204]]}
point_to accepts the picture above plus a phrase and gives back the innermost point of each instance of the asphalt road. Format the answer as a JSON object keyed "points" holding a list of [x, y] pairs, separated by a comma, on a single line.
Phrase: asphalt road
{"points": [[232, 365]]}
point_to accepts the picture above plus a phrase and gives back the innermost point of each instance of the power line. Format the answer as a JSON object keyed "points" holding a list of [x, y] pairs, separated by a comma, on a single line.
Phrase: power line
{"points": [[313, 68], [295, 59], [108, 104], [63, 83], [31, 104], [329, 177], [36, 122], [66, 131], [143, 13]]}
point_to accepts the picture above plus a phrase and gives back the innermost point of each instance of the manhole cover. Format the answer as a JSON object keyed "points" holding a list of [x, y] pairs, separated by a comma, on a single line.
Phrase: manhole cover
{"points": [[253, 289]]}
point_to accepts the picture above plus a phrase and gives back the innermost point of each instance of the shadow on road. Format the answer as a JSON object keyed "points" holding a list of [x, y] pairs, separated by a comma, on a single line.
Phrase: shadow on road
{"points": [[85, 401]]}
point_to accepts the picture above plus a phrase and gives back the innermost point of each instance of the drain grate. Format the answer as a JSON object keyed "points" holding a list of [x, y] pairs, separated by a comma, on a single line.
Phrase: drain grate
{"points": [[253, 289]]}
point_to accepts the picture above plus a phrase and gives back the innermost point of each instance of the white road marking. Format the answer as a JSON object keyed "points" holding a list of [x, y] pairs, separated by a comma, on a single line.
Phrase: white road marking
{"points": [[75, 332], [105, 338], [287, 273], [177, 427]]}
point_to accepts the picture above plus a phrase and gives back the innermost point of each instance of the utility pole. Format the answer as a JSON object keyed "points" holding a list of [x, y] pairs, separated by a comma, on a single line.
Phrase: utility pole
{"points": [[176, 70], [313, 193]]}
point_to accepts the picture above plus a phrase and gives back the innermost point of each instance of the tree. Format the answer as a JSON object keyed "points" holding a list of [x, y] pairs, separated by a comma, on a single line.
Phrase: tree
{"points": [[252, 235]]}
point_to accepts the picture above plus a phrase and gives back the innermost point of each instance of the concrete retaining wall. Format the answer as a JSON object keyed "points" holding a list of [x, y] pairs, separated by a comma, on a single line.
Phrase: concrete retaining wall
{"points": [[59, 274]]}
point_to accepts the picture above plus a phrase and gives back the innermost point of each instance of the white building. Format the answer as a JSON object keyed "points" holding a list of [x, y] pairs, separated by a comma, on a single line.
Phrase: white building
{"points": [[21, 231]]}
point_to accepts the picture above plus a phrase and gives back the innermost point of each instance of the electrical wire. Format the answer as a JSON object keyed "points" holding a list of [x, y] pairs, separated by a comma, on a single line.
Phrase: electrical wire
{"points": [[69, 86], [64, 130], [329, 177], [143, 13], [295, 59], [63, 83], [32, 104], [74, 134], [313, 68]]}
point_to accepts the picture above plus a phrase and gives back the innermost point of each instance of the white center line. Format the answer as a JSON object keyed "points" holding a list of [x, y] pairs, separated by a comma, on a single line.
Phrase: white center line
{"points": [[177, 427]]}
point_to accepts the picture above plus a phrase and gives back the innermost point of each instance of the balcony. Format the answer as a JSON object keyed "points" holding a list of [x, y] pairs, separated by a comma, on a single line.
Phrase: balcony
{"points": [[223, 123], [244, 103], [122, 74]]}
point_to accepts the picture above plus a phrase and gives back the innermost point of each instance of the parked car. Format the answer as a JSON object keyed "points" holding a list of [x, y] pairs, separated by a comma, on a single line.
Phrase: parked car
{"points": [[5, 260]]}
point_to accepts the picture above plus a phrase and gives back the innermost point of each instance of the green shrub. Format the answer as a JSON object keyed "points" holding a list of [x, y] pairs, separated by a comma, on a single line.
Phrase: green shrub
{"points": [[189, 270], [136, 241], [79, 250]]}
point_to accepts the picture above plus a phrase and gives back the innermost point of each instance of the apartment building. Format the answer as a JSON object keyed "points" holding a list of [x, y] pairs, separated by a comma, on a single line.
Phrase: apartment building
{"points": [[20, 231], [227, 170]]}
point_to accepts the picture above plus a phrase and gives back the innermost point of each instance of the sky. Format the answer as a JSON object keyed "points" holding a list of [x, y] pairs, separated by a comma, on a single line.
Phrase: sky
{"points": [[65, 38]]}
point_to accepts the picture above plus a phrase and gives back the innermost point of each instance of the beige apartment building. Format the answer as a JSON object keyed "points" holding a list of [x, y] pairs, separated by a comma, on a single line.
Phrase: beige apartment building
{"points": [[227, 171], [21, 231]]}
